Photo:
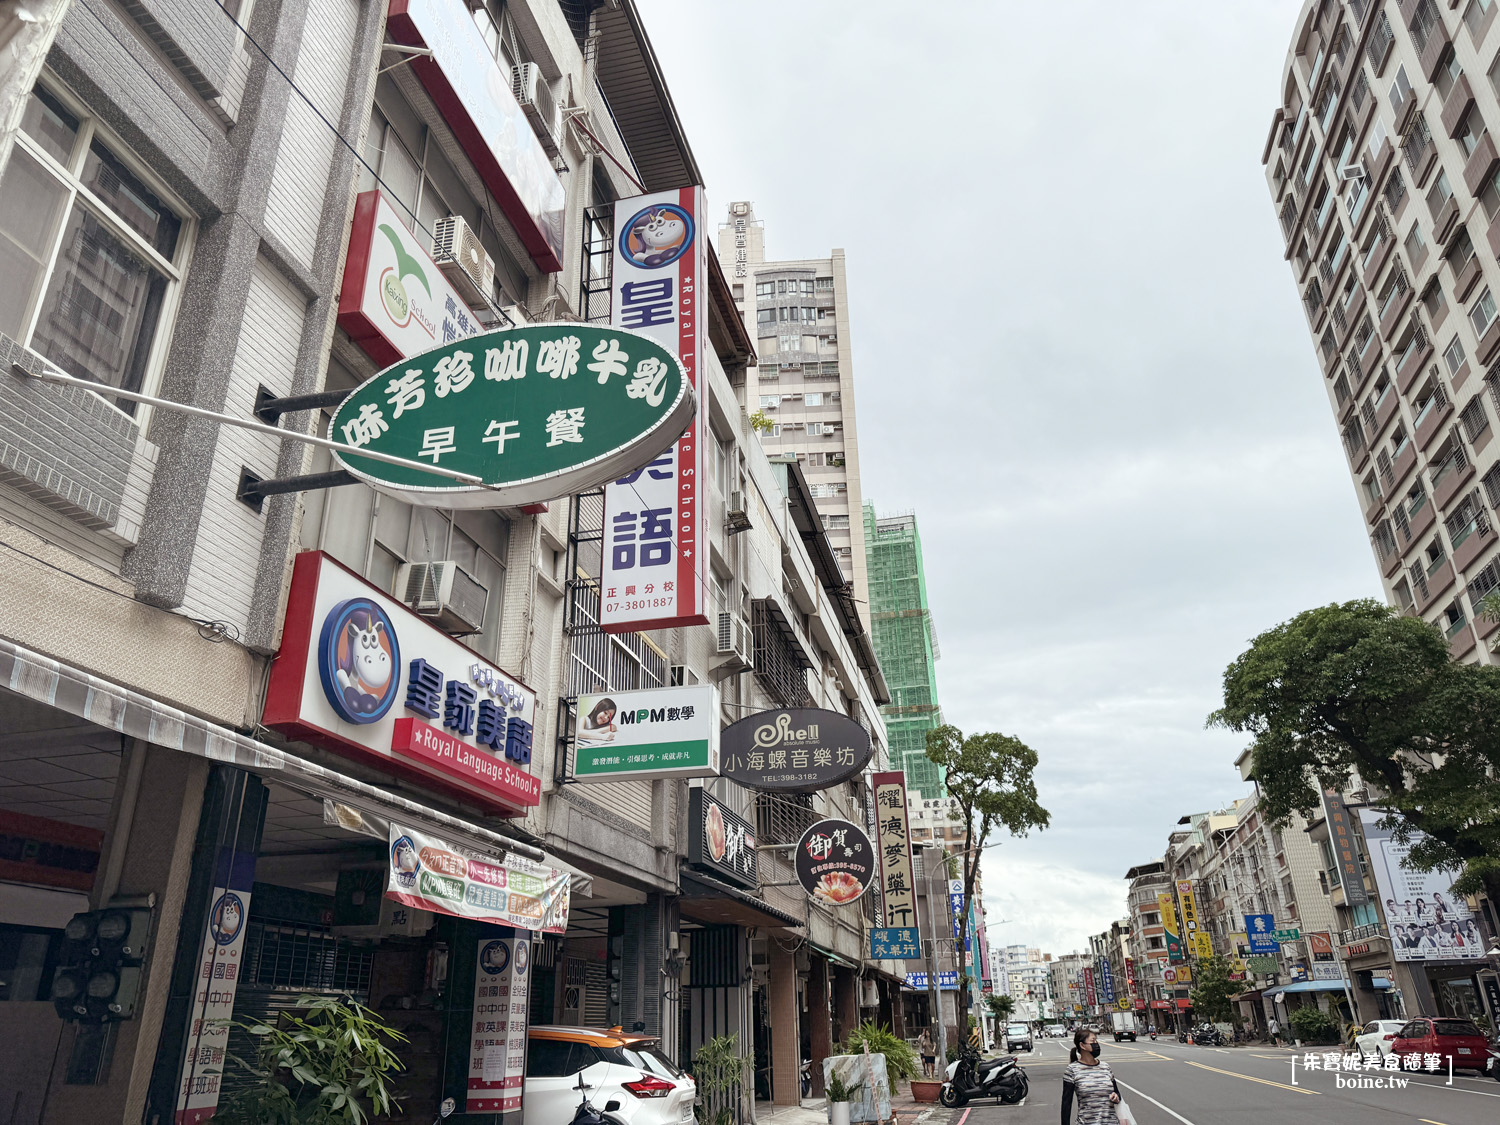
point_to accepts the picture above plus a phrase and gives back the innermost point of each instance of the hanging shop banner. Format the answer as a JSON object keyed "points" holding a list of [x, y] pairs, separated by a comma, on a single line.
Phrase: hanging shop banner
{"points": [[891, 943], [1327, 972], [835, 862], [1203, 944], [1187, 912], [720, 841], [361, 674], [429, 874], [794, 749], [1320, 945], [872, 830], [1130, 980], [947, 981], [1107, 981], [534, 413], [656, 518], [893, 836], [1427, 921], [656, 733], [1167, 907], [1088, 988], [1345, 848], [1184, 974], [1260, 930], [1262, 964], [497, 1042], [395, 302], [215, 984], [475, 94]]}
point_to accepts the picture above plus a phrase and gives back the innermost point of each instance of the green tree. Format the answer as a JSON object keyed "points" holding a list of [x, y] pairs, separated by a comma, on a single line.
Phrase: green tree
{"points": [[1001, 1004], [989, 777], [341, 1069], [1212, 989], [1359, 688]]}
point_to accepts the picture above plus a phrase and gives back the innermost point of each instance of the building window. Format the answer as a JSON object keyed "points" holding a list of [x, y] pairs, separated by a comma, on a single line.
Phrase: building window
{"points": [[823, 283], [1482, 313], [1453, 355], [1470, 129], [791, 343], [765, 316], [765, 289], [90, 255]]}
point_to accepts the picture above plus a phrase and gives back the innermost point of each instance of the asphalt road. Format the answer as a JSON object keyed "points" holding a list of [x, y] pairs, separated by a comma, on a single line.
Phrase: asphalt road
{"points": [[1170, 1083]]}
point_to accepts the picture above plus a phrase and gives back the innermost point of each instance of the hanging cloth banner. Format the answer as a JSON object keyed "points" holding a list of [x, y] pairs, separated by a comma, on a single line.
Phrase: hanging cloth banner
{"points": [[429, 874]]}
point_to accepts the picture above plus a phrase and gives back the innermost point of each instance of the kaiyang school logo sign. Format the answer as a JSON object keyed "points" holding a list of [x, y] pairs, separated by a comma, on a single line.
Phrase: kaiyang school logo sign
{"points": [[535, 413]]}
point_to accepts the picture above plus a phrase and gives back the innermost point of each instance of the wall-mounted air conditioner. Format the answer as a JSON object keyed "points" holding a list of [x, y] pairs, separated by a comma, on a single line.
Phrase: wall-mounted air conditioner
{"points": [[443, 591], [465, 263], [536, 98], [736, 516], [733, 641]]}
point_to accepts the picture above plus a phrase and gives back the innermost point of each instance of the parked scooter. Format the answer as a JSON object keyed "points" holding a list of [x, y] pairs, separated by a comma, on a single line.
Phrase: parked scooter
{"points": [[1207, 1035], [1183, 1036], [971, 1077], [806, 1073], [586, 1114]]}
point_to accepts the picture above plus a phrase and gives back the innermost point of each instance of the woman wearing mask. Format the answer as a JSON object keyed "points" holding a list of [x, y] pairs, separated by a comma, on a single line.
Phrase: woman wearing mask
{"points": [[1089, 1081]]}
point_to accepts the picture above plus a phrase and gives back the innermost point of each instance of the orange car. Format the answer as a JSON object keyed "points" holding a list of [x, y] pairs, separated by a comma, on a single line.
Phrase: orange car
{"points": [[627, 1077]]}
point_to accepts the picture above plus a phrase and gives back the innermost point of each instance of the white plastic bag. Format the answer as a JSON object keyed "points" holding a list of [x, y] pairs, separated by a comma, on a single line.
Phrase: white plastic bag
{"points": [[1122, 1111]]}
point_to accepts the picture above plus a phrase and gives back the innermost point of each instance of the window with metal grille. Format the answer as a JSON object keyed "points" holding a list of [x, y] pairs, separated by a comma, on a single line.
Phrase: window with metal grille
{"points": [[1474, 418], [782, 818], [1487, 581], [780, 664], [1463, 520], [300, 957], [600, 661], [1395, 189], [1491, 484], [598, 262], [1385, 540], [1423, 20]]}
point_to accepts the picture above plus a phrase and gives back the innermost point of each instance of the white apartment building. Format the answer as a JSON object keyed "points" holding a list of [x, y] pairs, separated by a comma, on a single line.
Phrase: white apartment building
{"points": [[797, 310]]}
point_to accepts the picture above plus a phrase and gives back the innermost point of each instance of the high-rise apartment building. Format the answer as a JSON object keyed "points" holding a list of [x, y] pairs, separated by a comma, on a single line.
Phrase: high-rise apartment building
{"points": [[906, 645], [1385, 174], [798, 312]]}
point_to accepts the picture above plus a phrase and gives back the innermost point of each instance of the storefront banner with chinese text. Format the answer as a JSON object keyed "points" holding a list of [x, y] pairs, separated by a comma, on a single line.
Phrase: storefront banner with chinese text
{"points": [[897, 881], [655, 517], [658, 732], [429, 874], [214, 984], [497, 1042], [1345, 848], [1167, 906]]}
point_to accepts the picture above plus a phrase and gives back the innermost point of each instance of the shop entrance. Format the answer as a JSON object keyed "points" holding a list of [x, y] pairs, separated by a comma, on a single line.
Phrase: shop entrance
{"points": [[57, 783]]}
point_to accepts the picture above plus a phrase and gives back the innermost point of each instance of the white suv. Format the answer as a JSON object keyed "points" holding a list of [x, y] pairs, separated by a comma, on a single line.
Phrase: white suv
{"points": [[627, 1076]]}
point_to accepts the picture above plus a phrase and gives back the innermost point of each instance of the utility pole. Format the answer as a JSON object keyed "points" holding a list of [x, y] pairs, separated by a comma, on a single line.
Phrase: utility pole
{"points": [[933, 996]]}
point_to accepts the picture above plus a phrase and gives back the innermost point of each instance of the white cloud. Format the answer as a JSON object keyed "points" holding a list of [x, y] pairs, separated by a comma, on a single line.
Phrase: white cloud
{"points": [[1079, 356]]}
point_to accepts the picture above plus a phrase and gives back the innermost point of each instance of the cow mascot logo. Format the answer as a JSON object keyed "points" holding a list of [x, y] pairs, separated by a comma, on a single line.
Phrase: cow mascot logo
{"points": [[657, 236], [358, 660]]}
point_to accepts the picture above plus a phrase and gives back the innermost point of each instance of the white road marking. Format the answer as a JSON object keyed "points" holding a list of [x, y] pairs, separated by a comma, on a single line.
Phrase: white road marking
{"points": [[1153, 1101]]}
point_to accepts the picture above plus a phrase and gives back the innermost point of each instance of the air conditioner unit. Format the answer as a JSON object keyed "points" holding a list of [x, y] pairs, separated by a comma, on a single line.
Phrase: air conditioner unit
{"points": [[535, 96], [733, 642], [443, 591], [465, 263], [1355, 171], [735, 516]]}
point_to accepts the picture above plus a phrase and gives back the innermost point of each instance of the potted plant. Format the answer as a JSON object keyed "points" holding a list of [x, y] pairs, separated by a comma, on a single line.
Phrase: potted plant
{"points": [[840, 1094]]}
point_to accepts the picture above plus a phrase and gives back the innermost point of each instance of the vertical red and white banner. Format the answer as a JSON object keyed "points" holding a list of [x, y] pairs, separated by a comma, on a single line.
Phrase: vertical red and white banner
{"points": [[220, 959], [655, 524], [497, 1042]]}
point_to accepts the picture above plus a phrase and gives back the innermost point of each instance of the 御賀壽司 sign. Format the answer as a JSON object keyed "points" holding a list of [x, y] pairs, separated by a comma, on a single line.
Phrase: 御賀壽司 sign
{"points": [[895, 944], [536, 413], [658, 732]]}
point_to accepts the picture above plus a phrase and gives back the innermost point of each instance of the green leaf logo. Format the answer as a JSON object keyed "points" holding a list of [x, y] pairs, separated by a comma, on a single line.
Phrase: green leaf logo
{"points": [[405, 263]]}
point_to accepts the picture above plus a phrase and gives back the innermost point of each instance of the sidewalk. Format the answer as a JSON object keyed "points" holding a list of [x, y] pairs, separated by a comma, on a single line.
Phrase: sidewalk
{"points": [[814, 1111]]}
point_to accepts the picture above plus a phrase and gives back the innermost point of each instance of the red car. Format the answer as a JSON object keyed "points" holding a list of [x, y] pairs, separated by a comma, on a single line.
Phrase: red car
{"points": [[1458, 1040]]}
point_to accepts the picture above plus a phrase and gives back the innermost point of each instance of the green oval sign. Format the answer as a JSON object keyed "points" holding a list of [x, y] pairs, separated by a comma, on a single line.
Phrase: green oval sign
{"points": [[536, 413]]}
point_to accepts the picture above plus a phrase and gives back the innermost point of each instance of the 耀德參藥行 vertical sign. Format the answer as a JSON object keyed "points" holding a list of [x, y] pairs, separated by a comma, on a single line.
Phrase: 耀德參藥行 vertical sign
{"points": [[1345, 848], [899, 938], [497, 1041], [654, 520]]}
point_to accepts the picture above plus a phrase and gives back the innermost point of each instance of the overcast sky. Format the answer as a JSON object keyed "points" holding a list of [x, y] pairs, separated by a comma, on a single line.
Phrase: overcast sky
{"points": [[1079, 357]]}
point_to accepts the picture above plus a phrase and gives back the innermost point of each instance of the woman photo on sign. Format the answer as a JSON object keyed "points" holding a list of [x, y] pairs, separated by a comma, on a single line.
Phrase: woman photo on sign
{"points": [[599, 724]]}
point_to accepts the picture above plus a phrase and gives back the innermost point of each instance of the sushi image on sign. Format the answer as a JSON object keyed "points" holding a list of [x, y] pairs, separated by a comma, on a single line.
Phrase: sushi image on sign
{"points": [[532, 413]]}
